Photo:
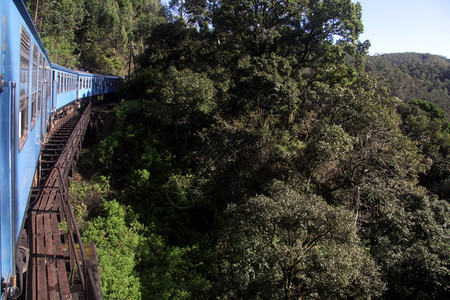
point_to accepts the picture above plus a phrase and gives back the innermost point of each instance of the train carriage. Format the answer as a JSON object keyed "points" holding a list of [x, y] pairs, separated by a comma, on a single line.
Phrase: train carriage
{"points": [[24, 110], [65, 86], [85, 84], [111, 84], [32, 93]]}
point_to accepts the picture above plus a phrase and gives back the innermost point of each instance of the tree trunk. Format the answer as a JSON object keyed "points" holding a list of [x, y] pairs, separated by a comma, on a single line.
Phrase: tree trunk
{"points": [[36, 11]]}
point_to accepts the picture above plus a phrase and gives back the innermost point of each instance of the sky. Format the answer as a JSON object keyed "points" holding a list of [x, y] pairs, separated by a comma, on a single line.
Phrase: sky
{"points": [[393, 26]]}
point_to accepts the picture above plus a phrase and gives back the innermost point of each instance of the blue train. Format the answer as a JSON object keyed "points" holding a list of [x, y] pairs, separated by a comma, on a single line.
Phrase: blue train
{"points": [[33, 91]]}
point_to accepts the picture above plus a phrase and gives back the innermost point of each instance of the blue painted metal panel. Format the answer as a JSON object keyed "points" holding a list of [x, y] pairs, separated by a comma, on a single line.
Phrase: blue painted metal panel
{"points": [[67, 96], [111, 84], [98, 85], [85, 90], [5, 168], [17, 168]]}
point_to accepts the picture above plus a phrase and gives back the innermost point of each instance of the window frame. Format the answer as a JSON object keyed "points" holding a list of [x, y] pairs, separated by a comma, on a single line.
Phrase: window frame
{"points": [[24, 87], [34, 85]]}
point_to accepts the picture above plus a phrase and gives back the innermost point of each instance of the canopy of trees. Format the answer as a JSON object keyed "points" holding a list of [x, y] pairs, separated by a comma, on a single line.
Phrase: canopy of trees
{"points": [[96, 35], [254, 156]]}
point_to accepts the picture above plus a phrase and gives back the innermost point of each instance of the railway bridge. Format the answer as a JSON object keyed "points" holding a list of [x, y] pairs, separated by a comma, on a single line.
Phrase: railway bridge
{"points": [[59, 266]]}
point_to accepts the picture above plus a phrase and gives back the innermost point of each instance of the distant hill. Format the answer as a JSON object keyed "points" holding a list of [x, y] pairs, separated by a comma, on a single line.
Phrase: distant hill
{"points": [[414, 76]]}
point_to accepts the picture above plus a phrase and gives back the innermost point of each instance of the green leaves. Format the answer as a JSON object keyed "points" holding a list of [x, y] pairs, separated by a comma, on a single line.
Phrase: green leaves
{"points": [[96, 34], [304, 29], [189, 92], [137, 263], [116, 235], [270, 83], [294, 245], [263, 107]]}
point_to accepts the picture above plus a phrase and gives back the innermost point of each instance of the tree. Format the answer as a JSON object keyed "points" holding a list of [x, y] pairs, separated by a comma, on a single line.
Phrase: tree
{"points": [[269, 83], [304, 29], [290, 245], [426, 124]]}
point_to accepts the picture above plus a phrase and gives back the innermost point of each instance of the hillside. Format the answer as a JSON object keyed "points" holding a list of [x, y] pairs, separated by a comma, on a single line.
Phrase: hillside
{"points": [[414, 76], [95, 35]]}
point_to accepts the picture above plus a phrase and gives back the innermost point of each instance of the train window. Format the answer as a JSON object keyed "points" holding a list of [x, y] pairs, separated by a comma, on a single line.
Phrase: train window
{"points": [[34, 73], [81, 82], [24, 74], [53, 93], [59, 82], [49, 80], [40, 83]]}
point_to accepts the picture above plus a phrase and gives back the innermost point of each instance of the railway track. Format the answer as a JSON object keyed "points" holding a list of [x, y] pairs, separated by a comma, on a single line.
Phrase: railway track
{"points": [[58, 267]]}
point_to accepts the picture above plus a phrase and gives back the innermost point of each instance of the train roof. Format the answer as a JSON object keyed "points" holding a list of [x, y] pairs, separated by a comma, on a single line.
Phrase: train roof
{"points": [[84, 73], [61, 68]]}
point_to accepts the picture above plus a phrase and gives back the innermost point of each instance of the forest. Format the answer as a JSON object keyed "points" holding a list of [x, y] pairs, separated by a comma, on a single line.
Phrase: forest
{"points": [[257, 152], [414, 76]]}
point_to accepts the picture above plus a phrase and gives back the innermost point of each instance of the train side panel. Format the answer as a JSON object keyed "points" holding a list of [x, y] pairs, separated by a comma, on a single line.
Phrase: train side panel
{"points": [[85, 85], [66, 85], [110, 84], [22, 113], [97, 88], [6, 232], [31, 90]]}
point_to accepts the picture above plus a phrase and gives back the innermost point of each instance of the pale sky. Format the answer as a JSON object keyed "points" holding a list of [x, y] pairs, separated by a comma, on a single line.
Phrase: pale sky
{"points": [[421, 26]]}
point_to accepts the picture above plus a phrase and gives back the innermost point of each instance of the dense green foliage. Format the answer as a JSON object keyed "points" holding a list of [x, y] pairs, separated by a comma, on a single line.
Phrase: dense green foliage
{"points": [[255, 158], [95, 35]]}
